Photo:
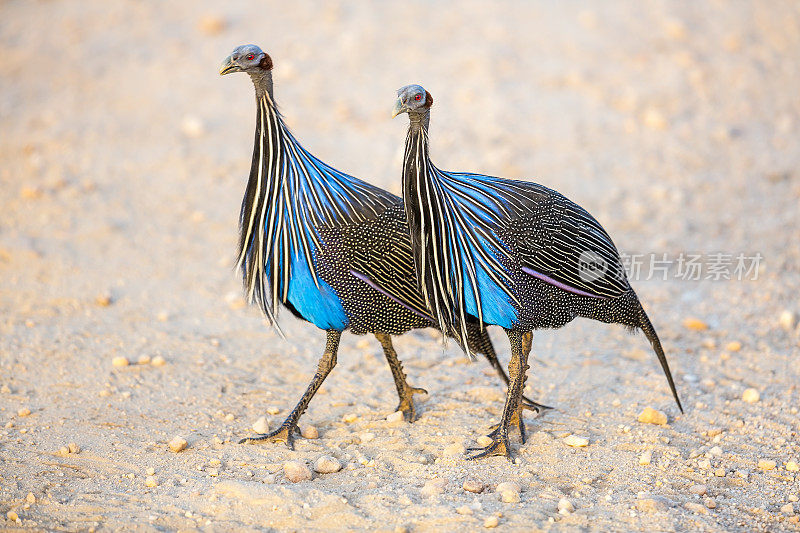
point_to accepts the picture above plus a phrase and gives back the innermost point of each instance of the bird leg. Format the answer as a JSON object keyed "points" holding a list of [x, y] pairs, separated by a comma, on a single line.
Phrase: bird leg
{"points": [[404, 390], [285, 433], [480, 342], [517, 368]]}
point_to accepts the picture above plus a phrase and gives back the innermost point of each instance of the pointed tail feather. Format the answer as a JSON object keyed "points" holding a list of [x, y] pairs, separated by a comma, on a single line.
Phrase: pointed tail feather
{"points": [[650, 332]]}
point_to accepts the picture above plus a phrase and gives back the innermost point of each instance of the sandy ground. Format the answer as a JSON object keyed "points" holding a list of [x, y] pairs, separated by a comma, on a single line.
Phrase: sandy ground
{"points": [[123, 160]]}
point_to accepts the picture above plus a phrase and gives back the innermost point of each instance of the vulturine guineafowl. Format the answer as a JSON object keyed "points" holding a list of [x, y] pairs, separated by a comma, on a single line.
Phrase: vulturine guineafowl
{"points": [[332, 249], [511, 253]]}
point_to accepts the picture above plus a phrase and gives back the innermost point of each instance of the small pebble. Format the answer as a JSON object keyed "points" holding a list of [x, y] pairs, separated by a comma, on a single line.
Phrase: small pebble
{"points": [[230, 417], [464, 509], [151, 481], [177, 444], [509, 496], [273, 410], [150, 471], [710, 503], [507, 486], [484, 441], [716, 451], [11, 515], [309, 432], [786, 320], [695, 507], [766, 464], [296, 471], [788, 509], [30, 498], [327, 464], [733, 346], [575, 441], [433, 487], [652, 416], [349, 418], [120, 361], [395, 417], [751, 396], [143, 360], [792, 466], [704, 464], [695, 324], [491, 522], [367, 437], [261, 425], [794, 498], [698, 489], [158, 361], [73, 448], [472, 485], [565, 506], [454, 449], [646, 458], [23, 412], [650, 505], [103, 300]]}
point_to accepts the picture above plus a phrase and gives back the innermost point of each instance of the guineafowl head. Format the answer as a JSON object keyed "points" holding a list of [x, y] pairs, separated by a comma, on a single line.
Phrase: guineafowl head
{"points": [[246, 58], [412, 99]]}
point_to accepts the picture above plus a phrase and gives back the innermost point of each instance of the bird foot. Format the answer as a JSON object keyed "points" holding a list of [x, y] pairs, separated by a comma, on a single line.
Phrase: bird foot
{"points": [[517, 421], [530, 405], [284, 434], [499, 446], [406, 404]]}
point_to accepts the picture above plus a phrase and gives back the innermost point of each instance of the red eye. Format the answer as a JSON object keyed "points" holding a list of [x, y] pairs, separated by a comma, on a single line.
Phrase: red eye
{"points": [[417, 97], [250, 57]]}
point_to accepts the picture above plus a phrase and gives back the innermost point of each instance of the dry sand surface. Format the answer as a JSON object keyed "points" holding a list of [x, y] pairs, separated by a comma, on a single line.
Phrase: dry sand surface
{"points": [[123, 159]]}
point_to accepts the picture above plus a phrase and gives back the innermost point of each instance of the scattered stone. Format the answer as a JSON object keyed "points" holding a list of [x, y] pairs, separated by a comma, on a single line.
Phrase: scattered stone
{"points": [[507, 486], [473, 485], [230, 417], [652, 416], [30, 498], [367, 437], [710, 503], [792, 466], [454, 449], [565, 506], [103, 300], [177, 444], [719, 472], [646, 458], [396, 417], [491, 522], [434, 487], [143, 360], [751, 395], [211, 24], [695, 324], [733, 346], [651, 505], [150, 471], [464, 509], [73, 448], [788, 509], [698, 489], [158, 361], [193, 127], [704, 464], [273, 410], [151, 481], [766, 464], [261, 425], [327, 464], [695, 507], [120, 361], [14, 517], [23, 412], [309, 432], [786, 320], [509, 496], [575, 441], [484, 441], [296, 471], [716, 451], [349, 418]]}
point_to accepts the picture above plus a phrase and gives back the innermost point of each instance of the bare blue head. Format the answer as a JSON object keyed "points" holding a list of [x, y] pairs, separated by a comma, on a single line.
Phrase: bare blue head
{"points": [[412, 99], [251, 59]]}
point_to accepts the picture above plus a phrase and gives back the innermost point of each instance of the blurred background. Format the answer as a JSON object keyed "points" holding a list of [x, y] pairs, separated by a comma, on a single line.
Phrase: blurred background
{"points": [[124, 156]]}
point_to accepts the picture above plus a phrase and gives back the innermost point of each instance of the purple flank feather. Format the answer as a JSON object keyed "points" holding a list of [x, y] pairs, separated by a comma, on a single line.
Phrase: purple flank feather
{"points": [[551, 281]]}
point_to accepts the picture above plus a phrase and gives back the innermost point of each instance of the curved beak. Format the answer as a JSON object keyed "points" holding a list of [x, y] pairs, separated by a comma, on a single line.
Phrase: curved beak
{"points": [[399, 107], [228, 66]]}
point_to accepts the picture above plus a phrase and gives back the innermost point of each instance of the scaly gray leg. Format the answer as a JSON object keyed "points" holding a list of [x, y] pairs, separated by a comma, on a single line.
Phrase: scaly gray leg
{"points": [[404, 390], [285, 433]]}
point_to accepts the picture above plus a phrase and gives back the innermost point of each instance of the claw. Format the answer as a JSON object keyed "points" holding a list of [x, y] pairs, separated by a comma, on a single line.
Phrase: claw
{"points": [[283, 434], [406, 404], [499, 446], [530, 405], [517, 421]]}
